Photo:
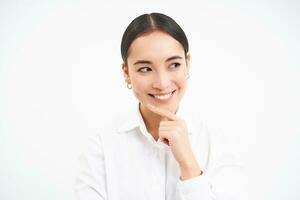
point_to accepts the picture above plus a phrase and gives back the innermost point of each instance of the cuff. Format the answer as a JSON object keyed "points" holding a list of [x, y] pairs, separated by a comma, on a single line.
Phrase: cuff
{"points": [[194, 188]]}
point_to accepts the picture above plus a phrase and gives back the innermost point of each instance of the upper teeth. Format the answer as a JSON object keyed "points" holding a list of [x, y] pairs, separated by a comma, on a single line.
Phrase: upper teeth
{"points": [[166, 96]]}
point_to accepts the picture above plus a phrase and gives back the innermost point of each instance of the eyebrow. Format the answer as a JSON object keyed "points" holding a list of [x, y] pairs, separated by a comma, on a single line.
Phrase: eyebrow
{"points": [[149, 62]]}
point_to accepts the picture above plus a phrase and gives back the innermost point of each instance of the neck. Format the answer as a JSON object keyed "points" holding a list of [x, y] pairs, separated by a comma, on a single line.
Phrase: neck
{"points": [[151, 120]]}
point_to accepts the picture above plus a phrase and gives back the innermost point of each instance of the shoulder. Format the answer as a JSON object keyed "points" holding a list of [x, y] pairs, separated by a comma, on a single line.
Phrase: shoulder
{"points": [[110, 129], [109, 126]]}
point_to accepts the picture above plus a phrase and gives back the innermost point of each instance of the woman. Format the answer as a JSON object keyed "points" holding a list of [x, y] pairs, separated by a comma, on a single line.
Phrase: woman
{"points": [[156, 152]]}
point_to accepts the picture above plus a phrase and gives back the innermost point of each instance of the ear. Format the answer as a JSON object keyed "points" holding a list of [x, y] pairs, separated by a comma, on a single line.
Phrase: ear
{"points": [[125, 73], [187, 59]]}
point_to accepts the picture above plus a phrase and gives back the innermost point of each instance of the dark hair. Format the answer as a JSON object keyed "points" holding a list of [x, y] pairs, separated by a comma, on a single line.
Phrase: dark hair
{"points": [[149, 22]]}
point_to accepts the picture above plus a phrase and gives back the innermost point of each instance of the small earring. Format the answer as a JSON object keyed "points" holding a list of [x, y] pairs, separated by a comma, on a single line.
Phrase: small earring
{"points": [[129, 86]]}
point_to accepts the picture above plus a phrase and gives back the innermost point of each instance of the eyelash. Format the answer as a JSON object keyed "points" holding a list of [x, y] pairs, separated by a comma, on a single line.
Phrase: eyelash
{"points": [[177, 64], [140, 70]]}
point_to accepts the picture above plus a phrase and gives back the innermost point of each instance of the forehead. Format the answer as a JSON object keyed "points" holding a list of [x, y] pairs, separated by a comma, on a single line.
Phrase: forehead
{"points": [[156, 45]]}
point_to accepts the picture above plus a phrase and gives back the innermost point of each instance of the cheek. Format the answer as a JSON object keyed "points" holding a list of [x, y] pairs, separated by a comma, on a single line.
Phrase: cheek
{"points": [[139, 84], [140, 87], [181, 79]]}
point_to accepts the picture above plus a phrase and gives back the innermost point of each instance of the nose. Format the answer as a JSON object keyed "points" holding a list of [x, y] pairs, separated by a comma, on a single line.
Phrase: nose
{"points": [[161, 81]]}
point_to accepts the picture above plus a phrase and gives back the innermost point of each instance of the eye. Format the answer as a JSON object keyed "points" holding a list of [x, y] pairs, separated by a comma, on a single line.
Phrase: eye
{"points": [[175, 65], [144, 69]]}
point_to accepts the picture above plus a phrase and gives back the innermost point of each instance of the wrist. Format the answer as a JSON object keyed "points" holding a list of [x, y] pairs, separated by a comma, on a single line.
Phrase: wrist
{"points": [[189, 171], [191, 174]]}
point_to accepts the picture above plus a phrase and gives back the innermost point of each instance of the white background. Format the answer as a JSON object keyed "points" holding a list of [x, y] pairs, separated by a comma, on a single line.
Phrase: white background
{"points": [[60, 78]]}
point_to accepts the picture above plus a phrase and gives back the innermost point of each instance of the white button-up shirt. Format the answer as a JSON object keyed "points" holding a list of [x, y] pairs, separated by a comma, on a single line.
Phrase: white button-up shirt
{"points": [[125, 162]]}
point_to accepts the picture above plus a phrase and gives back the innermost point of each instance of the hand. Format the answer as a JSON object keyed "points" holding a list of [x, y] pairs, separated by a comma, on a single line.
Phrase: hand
{"points": [[173, 132]]}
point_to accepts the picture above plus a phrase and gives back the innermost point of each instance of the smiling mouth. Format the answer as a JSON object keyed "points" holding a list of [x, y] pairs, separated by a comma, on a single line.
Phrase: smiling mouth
{"points": [[163, 97]]}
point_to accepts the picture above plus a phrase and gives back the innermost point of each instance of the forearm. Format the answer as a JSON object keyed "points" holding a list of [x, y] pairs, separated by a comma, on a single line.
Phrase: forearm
{"points": [[190, 169]]}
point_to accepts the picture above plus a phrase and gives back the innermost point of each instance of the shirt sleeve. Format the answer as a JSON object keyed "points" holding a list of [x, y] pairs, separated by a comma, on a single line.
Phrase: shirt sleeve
{"points": [[90, 183], [223, 179]]}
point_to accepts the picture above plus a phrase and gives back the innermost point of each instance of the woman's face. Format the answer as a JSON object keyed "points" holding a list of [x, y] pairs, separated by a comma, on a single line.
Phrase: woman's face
{"points": [[157, 70]]}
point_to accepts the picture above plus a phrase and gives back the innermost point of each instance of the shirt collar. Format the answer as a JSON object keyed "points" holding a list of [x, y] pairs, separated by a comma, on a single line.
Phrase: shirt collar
{"points": [[130, 121], [134, 120]]}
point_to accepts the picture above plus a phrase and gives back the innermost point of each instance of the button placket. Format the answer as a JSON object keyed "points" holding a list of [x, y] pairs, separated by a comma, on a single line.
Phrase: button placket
{"points": [[158, 178]]}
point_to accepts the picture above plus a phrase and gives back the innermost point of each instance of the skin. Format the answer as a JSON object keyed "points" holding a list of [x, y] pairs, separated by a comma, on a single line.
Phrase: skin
{"points": [[157, 64]]}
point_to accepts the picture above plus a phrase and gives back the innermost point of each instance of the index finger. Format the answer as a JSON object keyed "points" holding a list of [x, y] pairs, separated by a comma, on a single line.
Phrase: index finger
{"points": [[163, 112]]}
